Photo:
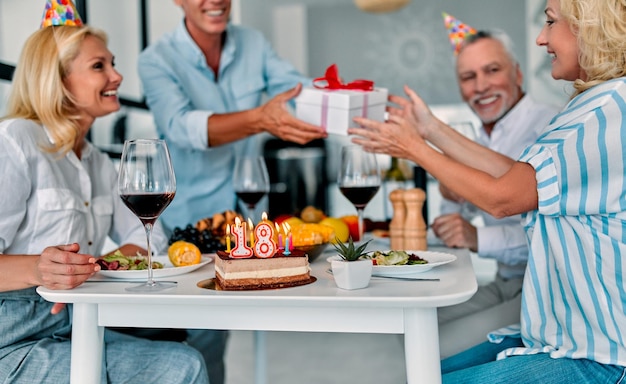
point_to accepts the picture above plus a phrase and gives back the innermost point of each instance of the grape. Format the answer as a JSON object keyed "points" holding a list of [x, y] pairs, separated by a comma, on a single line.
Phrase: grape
{"points": [[204, 240]]}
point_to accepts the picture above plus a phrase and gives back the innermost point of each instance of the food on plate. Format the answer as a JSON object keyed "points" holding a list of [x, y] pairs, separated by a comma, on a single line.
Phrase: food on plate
{"points": [[311, 234], [262, 273], [342, 232], [182, 253], [310, 214], [118, 262], [207, 234], [395, 258], [217, 224], [293, 221], [352, 221]]}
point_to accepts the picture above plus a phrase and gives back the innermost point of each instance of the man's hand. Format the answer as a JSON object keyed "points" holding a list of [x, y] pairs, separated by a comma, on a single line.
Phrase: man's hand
{"points": [[276, 119], [456, 232]]}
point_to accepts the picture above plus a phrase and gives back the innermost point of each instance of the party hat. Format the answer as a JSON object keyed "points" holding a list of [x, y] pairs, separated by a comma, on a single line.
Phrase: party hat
{"points": [[60, 12], [457, 31]]}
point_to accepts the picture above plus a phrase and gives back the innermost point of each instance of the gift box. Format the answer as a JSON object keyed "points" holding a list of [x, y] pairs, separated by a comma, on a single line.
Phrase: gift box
{"points": [[334, 104]]}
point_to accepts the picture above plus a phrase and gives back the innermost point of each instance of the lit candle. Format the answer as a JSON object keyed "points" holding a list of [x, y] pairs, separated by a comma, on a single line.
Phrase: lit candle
{"points": [[280, 241], [251, 226], [227, 238], [241, 249], [290, 242], [287, 252], [265, 246]]}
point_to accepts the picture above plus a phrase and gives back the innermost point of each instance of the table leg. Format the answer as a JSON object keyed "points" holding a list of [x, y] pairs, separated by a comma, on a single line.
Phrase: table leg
{"points": [[260, 357], [421, 346], [87, 345]]}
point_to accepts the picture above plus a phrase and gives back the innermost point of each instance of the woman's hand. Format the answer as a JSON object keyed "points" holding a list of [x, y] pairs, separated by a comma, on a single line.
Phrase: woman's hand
{"points": [[403, 134], [415, 111], [62, 267]]}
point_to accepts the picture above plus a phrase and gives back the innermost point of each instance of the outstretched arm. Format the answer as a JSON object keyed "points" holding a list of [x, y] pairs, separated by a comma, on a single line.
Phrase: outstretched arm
{"points": [[493, 182], [272, 117]]}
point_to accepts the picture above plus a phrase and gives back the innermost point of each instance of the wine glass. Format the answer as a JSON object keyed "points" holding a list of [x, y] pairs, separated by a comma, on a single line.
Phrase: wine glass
{"points": [[358, 178], [251, 180], [147, 185]]}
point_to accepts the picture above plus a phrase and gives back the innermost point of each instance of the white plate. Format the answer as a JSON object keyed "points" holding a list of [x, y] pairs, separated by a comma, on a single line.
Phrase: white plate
{"points": [[435, 259], [167, 270]]}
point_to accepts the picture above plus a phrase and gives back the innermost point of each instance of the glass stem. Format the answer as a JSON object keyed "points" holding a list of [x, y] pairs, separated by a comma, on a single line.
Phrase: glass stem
{"points": [[148, 228], [360, 215]]}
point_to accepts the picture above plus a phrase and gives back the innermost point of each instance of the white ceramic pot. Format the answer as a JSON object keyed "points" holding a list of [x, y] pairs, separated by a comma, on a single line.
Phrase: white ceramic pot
{"points": [[352, 274]]}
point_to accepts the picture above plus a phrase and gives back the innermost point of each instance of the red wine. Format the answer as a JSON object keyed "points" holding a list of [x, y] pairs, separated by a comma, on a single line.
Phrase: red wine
{"points": [[359, 196], [251, 198], [148, 206]]}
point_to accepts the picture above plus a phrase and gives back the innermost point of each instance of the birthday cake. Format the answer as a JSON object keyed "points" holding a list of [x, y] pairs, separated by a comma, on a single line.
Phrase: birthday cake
{"points": [[254, 273]]}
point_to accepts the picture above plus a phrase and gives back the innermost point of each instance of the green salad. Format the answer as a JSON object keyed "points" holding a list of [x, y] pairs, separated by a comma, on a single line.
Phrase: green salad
{"points": [[395, 258], [118, 262]]}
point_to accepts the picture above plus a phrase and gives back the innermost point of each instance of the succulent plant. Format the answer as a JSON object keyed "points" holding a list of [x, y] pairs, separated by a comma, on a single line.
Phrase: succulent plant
{"points": [[350, 252]]}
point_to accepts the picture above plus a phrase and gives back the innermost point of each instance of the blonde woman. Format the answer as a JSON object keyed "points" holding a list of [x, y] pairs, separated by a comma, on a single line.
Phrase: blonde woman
{"points": [[570, 187], [58, 205]]}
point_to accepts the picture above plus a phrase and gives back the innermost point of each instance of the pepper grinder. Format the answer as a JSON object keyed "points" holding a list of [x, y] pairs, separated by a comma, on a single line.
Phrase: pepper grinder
{"points": [[414, 224], [396, 225]]}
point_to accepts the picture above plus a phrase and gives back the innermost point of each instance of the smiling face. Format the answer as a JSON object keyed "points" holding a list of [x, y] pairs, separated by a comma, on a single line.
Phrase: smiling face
{"points": [[489, 80], [560, 42], [93, 81], [205, 18]]}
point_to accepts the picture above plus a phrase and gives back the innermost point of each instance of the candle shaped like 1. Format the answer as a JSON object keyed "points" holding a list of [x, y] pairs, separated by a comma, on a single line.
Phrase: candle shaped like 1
{"points": [[241, 249], [251, 226], [264, 246]]}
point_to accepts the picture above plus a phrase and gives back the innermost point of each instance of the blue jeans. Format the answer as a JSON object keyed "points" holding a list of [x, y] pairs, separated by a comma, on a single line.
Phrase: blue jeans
{"points": [[210, 343], [479, 365], [35, 347]]}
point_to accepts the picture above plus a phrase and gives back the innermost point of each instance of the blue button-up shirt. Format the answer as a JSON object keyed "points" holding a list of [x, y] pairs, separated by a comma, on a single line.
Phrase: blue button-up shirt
{"points": [[182, 93]]}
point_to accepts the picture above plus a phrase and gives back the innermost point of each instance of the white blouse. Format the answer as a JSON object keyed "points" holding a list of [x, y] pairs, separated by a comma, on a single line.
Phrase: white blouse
{"points": [[49, 199]]}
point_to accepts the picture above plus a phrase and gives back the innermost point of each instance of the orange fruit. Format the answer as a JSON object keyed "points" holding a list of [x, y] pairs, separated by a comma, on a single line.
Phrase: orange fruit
{"points": [[182, 253], [342, 232]]}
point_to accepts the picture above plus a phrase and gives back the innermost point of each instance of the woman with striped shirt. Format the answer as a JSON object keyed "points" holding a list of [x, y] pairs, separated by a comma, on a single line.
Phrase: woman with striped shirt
{"points": [[571, 187]]}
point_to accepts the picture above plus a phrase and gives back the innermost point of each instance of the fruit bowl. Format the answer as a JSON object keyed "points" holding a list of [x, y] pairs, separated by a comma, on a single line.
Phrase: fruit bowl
{"points": [[313, 250]]}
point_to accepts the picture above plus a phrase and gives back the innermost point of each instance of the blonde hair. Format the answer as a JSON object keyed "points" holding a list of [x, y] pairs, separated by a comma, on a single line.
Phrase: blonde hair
{"points": [[600, 27], [38, 92]]}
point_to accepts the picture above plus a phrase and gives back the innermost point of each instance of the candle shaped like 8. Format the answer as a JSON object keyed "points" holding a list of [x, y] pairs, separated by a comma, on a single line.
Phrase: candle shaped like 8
{"points": [[265, 246]]}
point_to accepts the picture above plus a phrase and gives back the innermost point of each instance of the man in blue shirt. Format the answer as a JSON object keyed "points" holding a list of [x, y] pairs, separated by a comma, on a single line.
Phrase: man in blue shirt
{"points": [[204, 83]]}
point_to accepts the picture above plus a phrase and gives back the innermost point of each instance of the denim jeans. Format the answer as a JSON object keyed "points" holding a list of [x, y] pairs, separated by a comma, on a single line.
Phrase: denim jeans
{"points": [[479, 365], [35, 347]]}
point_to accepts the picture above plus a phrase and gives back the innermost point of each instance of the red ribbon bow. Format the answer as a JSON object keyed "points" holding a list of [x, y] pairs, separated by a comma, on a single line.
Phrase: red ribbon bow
{"points": [[333, 81]]}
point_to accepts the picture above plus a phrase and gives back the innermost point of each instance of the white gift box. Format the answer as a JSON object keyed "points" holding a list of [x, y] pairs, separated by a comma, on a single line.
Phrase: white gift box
{"points": [[335, 109]]}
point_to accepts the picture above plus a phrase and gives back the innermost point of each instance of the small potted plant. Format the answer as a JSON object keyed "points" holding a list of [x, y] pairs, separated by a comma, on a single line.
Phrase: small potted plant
{"points": [[350, 270]]}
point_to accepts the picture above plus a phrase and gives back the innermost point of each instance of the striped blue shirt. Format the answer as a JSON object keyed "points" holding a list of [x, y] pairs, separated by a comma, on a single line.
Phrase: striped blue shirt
{"points": [[574, 297]]}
